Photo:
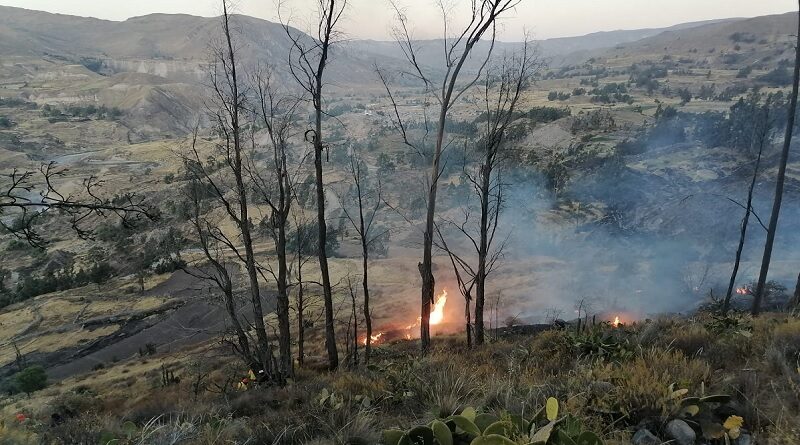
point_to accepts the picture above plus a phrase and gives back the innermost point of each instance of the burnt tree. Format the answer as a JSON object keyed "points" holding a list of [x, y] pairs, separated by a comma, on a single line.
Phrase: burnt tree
{"points": [[761, 129], [28, 195], [228, 181], [308, 60], [457, 50], [781, 180], [500, 97], [275, 186], [368, 197]]}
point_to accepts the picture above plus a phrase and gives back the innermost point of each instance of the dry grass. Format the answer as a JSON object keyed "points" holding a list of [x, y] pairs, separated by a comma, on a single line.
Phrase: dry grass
{"points": [[401, 389]]}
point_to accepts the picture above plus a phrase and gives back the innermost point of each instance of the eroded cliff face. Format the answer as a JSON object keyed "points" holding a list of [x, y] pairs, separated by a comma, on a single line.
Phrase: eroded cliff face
{"points": [[189, 71]]}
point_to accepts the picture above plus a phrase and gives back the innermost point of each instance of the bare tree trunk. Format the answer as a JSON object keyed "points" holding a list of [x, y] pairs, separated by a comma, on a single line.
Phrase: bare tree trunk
{"points": [[330, 334], [241, 191], [364, 227], [483, 247], [763, 135], [365, 285], [284, 333], [308, 59], [250, 261], [776, 207], [301, 328], [795, 302], [468, 321], [278, 193], [354, 315], [426, 266], [223, 280]]}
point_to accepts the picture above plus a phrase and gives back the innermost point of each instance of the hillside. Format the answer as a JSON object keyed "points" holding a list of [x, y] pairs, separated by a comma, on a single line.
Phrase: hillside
{"points": [[755, 42], [623, 168]]}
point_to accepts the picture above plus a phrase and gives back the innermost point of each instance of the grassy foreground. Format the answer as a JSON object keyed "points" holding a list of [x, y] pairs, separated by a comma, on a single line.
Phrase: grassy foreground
{"points": [[612, 381]]}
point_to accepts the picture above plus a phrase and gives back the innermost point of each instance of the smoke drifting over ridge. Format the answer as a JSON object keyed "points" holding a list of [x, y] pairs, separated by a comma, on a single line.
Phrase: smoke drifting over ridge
{"points": [[628, 240]]}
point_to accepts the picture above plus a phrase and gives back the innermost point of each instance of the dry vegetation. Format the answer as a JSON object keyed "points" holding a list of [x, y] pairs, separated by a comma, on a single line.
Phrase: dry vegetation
{"points": [[614, 380], [591, 170]]}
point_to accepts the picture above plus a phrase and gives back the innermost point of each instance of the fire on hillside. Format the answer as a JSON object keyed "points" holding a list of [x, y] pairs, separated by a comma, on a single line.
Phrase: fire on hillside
{"points": [[437, 317]]}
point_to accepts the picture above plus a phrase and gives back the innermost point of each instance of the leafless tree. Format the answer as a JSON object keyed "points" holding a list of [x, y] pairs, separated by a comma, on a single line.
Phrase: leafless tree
{"points": [[352, 331], [302, 302], [501, 91], [274, 184], [368, 197], [308, 60], [29, 195], [230, 185], [501, 95], [213, 243], [781, 180], [582, 309], [761, 130], [458, 48], [465, 278]]}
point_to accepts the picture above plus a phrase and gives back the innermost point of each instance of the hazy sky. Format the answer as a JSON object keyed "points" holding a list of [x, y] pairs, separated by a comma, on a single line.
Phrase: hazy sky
{"points": [[373, 18]]}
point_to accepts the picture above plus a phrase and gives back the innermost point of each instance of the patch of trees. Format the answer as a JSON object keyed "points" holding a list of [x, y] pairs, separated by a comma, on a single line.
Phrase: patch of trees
{"points": [[340, 109], [646, 76], [611, 93], [55, 114], [557, 95], [31, 379], [731, 92], [713, 129], [65, 278], [161, 253], [13, 102], [781, 76], [547, 114], [734, 129], [464, 128], [744, 72], [707, 92], [596, 120], [731, 58], [6, 122], [742, 37], [385, 165], [304, 239], [537, 115]]}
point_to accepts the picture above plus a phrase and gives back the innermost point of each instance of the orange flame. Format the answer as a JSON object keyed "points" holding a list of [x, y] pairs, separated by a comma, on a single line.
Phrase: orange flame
{"points": [[616, 322], [744, 291], [437, 314], [374, 339]]}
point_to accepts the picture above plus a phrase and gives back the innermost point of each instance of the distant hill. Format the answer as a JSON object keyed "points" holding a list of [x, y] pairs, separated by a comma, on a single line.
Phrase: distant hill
{"points": [[557, 51], [745, 42], [168, 45], [175, 45], [155, 65]]}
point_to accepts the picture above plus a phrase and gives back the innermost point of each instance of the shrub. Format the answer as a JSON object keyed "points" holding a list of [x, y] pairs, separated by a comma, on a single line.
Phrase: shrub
{"points": [[779, 77], [643, 385], [692, 340], [16, 436], [31, 379], [786, 338]]}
